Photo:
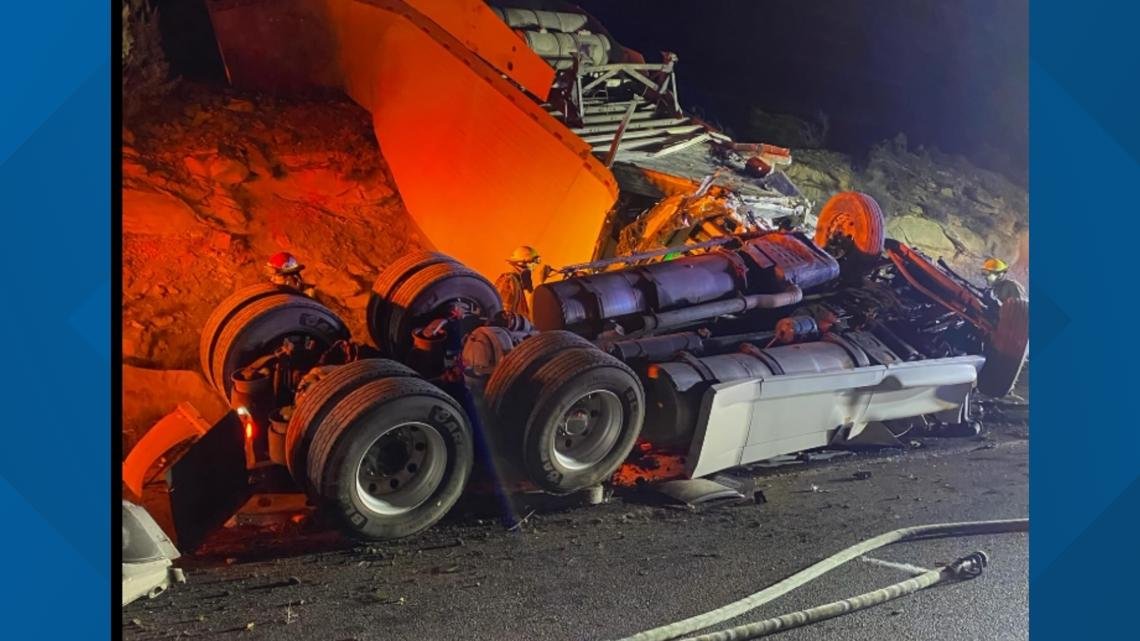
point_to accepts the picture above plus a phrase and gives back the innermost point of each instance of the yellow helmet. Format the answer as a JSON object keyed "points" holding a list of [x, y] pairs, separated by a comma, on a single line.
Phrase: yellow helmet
{"points": [[994, 265], [523, 254]]}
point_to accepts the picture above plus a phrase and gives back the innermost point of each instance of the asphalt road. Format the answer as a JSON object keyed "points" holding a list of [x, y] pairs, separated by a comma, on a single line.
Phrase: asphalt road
{"points": [[607, 571]]}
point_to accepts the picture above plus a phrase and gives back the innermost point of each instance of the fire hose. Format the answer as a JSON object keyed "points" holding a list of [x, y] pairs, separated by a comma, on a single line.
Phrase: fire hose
{"points": [[966, 567]]}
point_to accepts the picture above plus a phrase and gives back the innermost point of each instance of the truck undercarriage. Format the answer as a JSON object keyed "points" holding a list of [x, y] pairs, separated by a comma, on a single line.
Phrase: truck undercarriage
{"points": [[765, 344]]}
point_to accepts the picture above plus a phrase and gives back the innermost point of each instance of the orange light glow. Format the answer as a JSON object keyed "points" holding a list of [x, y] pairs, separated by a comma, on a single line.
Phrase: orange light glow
{"points": [[648, 466], [479, 164], [247, 421]]}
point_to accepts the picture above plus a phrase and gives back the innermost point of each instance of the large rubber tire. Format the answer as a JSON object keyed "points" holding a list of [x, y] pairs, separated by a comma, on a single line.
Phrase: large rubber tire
{"points": [[419, 299], [581, 377], [314, 404], [225, 310], [1006, 350], [356, 422], [259, 327], [386, 283], [855, 215], [510, 381]]}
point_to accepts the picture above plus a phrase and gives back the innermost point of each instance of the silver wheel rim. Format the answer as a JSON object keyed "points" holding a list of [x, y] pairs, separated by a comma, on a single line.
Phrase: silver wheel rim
{"points": [[401, 468], [587, 431]]}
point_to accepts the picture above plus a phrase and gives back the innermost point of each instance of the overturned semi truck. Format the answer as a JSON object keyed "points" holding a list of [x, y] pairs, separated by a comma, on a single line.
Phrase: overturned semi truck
{"points": [[769, 343], [772, 332]]}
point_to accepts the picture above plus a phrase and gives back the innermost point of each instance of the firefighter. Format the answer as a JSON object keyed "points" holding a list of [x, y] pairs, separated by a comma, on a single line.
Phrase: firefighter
{"points": [[284, 269], [1001, 287], [517, 285]]}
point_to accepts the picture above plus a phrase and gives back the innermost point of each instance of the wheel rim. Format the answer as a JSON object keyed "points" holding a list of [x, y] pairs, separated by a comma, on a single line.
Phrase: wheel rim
{"points": [[401, 468], [587, 431], [850, 220], [395, 329]]}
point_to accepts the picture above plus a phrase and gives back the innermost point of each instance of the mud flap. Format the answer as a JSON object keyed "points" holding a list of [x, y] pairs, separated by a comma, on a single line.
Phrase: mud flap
{"points": [[205, 470], [209, 482]]}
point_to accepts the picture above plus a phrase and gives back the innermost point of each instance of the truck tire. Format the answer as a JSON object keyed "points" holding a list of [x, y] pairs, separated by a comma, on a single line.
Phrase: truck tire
{"points": [[1006, 350], [260, 327], [391, 278], [225, 310], [391, 459], [586, 417], [312, 406], [856, 216], [422, 297], [510, 382]]}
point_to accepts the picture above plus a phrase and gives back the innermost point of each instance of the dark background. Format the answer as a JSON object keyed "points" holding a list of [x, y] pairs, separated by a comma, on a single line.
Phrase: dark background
{"points": [[951, 75]]}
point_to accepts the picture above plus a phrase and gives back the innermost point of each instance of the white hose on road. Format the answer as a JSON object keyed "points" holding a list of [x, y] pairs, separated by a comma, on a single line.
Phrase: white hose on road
{"points": [[737, 608]]}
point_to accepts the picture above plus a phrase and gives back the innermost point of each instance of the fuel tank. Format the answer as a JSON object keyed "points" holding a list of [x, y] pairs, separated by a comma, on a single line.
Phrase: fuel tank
{"points": [[763, 265]]}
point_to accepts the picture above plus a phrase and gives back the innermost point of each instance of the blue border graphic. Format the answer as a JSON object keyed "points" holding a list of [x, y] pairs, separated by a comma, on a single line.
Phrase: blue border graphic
{"points": [[55, 169], [55, 160], [1085, 442]]}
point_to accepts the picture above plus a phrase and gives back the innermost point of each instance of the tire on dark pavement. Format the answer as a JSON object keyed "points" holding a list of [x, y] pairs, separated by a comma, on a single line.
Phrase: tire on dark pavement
{"points": [[586, 417], [392, 420], [312, 405], [1006, 350], [260, 327]]}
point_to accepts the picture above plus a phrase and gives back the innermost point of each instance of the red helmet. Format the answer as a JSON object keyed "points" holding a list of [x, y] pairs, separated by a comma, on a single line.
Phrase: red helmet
{"points": [[284, 263]]}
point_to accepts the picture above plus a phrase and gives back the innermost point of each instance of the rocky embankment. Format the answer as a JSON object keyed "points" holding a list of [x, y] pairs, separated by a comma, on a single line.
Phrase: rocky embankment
{"points": [[940, 204]]}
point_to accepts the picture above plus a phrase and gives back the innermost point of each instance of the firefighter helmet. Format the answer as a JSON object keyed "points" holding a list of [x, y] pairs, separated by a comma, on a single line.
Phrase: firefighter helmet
{"points": [[995, 265], [283, 263], [524, 255]]}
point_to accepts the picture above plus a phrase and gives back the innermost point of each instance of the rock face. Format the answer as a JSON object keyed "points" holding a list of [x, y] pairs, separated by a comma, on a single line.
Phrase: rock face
{"points": [[214, 185], [942, 205]]}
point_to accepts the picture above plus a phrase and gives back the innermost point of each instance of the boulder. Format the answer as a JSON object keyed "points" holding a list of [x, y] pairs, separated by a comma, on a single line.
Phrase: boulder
{"points": [[157, 213], [921, 233]]}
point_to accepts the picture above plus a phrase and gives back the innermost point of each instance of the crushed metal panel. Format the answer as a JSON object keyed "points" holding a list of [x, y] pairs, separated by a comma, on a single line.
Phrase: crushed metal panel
{"points": [[932, 386], [147, 556], [754, 419], [698, 492], [184, 424]]}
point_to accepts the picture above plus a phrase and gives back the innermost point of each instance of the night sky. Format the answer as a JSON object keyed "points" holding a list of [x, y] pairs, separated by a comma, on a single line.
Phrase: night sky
{"points": [[953, 75]]}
